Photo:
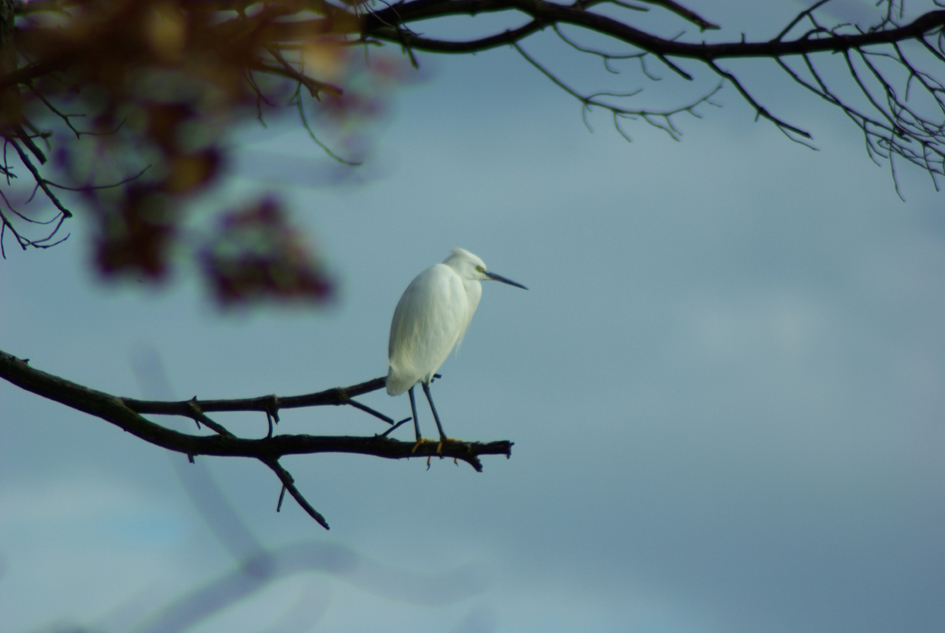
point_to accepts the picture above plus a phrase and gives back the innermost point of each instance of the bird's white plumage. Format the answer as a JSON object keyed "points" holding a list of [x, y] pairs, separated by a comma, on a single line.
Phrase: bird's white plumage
{"points": [[431, 319]]}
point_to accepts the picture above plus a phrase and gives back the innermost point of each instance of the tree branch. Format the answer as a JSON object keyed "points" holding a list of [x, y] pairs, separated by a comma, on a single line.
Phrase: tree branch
{"points": [[288, 483], [125, 413], [683, 12], [279, 37], [378, 25]]}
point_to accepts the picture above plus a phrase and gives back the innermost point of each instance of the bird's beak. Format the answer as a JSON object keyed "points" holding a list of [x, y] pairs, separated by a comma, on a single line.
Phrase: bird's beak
{"points": [[504, 280]]}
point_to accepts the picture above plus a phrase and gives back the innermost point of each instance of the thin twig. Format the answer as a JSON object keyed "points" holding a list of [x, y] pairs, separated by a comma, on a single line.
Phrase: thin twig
{"points": [[288, 483]]}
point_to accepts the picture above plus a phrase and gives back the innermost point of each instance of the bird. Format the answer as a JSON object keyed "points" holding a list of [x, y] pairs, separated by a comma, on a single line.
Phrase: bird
{"points": [[430, 320]]}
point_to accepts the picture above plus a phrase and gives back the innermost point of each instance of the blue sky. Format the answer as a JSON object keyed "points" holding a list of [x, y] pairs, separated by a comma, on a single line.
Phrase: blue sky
{"points": [[724, 387]]}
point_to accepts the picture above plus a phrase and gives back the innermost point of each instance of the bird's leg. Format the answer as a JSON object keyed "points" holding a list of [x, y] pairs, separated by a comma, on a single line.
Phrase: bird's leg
{"points": [[416, 425], [436, 418]]}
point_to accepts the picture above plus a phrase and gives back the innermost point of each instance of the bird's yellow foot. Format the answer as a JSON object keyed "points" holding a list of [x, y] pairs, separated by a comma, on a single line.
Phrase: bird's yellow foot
{"points": [[420, 441], [439, 447]]}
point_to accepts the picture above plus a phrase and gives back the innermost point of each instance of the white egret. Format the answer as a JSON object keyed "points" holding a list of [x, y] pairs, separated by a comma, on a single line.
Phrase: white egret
{"points": [[430, 320]]}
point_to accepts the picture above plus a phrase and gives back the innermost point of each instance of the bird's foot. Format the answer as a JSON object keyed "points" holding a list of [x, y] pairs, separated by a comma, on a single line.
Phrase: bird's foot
{"points": [[443, 440], [420, 441]]}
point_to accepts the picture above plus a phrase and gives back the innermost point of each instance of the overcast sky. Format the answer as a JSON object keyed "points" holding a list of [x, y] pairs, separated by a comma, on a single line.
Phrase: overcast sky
{"points": [[726, 386]]}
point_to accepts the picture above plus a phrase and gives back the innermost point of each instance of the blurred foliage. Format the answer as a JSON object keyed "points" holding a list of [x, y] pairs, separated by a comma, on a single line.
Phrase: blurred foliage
{"points": [[124, 108]]}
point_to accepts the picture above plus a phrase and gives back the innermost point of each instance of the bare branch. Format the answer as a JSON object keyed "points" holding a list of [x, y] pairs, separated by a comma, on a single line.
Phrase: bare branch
{"points": [[301, 108], [271, 404], [125, 413], [40, 181], [313, 85], [288, 483], [274, 38], [806, 13], [761, 110], [688, 14], [659, 119], [377, 25], [412, 41]]}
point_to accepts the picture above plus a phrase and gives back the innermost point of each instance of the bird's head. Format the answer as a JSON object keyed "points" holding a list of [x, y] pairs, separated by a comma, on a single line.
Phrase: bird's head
{"points": [[471, 268]]}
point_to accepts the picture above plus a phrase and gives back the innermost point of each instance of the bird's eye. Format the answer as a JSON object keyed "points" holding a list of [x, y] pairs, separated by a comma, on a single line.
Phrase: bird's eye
{"points": [[480, 269]]}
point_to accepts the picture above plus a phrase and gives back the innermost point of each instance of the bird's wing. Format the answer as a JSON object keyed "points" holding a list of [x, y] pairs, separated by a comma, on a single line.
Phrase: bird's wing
{"points": [[429, 319]]}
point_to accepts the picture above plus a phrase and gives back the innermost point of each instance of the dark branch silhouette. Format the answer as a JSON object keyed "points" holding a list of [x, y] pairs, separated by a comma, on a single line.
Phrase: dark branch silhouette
{"points": [[892, 126], [126, 413], [258, 54]]}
